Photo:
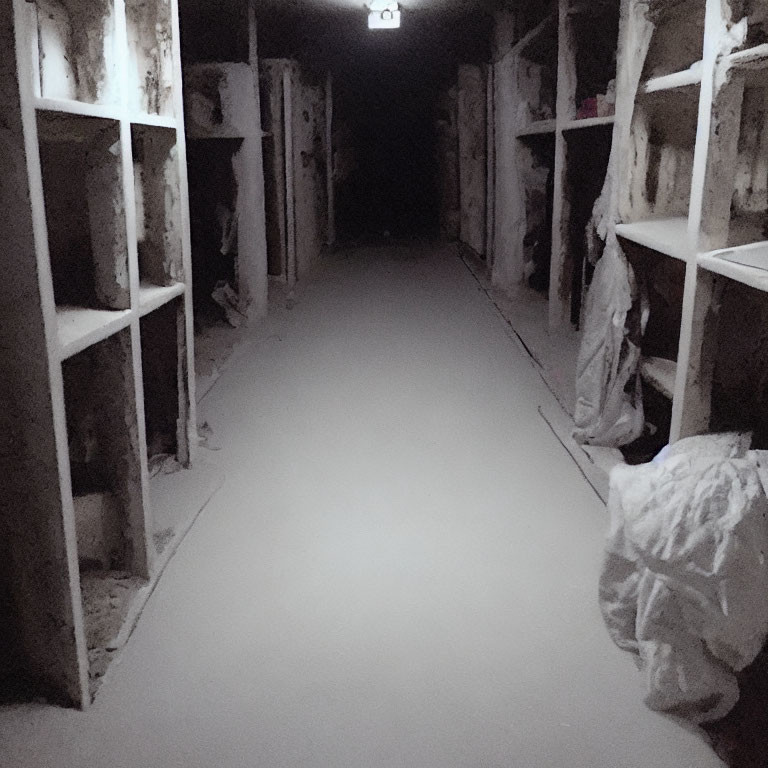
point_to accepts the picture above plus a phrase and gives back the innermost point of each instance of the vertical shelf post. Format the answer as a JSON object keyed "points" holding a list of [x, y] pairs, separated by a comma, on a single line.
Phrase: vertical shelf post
{"points": [[560, 279], [711, 191]]}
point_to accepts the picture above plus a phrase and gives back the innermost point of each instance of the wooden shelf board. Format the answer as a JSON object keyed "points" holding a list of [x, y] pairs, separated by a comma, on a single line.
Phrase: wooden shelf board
{"points": [[194, 133], [660, 374], [537, 128], [749, 59], [155, 121], [152, 297], [682, 79], [668, 236], [726, 263], [80, 328], [588, 122], [67, 107]]}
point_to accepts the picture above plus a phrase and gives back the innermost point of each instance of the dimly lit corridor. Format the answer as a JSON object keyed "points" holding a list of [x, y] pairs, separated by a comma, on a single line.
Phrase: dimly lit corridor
{"points": [[393, 578], [384, 384]]}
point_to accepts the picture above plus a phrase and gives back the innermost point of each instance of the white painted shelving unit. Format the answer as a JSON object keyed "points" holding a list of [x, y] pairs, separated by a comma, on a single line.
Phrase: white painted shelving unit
{"points": [[561, 151], [226, 172], [96, 337], [297, 113], [692, 185], [550, 79]]}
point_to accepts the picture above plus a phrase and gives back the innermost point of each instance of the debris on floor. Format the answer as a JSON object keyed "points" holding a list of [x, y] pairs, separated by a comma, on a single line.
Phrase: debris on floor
{"points": [[162, 538], [164, 463], [227, 298], [107, 597]]}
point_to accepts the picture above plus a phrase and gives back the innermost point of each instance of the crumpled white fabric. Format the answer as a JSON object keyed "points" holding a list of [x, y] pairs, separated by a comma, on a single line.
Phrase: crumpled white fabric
{"points": [[609, 403], [685, 579], [609, 407]]}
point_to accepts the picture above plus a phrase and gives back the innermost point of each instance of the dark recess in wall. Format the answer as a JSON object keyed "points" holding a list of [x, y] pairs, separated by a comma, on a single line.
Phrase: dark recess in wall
{"points": [[588, 155], [212, 200], [213, 31], [386, 89], [160, 366], [11, 662]]}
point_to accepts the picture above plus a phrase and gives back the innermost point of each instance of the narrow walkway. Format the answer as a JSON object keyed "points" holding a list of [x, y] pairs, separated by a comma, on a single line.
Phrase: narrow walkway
{"points": [[400, 571]]}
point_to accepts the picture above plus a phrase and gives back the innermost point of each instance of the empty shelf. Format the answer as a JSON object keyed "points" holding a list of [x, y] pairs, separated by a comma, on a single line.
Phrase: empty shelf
{"points": [[152, 297], [660, 374], [80, 328], [668, 236], [747, 264], [682, 79], [537, 128]]}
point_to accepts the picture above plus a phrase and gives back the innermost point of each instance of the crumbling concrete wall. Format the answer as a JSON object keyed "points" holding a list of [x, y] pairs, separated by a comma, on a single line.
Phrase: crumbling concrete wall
{"points": [[104, 446], [150, 40], [77, 46], [251, 265], [508, 264], [310, 175], [740, 382], [472, 103], [663, 147], [677, 36], [273, 122], [294, 108], [38, 616], [85, 207], [536, 87], [750, 199], [448, 162], [158, 204], [220, 100], [252, 236]]}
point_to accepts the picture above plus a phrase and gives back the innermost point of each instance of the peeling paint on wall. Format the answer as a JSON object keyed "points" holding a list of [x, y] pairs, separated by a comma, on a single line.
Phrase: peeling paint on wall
{"points": [[76, 43], [150, 78]]}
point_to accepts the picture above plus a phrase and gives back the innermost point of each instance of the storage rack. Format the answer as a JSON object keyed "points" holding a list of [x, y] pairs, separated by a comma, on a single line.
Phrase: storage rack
{"points": [[97, 318], [553, 64], [557, 65], [692, 188]]}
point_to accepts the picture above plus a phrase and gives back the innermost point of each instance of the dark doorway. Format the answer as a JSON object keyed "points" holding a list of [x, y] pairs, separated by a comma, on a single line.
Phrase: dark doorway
{"points": [[386, 89]]}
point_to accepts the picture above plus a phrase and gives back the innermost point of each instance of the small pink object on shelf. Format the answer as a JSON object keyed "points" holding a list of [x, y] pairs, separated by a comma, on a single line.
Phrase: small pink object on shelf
{"points": [[587, 109]]}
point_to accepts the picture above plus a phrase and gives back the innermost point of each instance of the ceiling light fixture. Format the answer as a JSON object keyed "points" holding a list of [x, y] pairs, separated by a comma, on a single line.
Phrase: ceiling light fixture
{"points": [[384, 14]]}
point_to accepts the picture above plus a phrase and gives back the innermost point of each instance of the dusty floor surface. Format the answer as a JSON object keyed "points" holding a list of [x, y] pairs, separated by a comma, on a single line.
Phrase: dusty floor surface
{"points": [[400, 570]]}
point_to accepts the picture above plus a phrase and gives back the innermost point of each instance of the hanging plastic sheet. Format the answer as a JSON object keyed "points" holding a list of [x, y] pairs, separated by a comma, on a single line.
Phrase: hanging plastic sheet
{"points": [[609, 402]]}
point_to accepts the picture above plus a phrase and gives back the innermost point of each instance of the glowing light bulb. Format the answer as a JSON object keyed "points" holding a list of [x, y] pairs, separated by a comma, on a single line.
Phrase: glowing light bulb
{"points": [[384, 14]]}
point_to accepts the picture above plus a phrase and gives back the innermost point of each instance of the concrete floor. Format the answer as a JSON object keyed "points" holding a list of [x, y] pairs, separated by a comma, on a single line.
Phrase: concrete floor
{"points": [[400, 570]]}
